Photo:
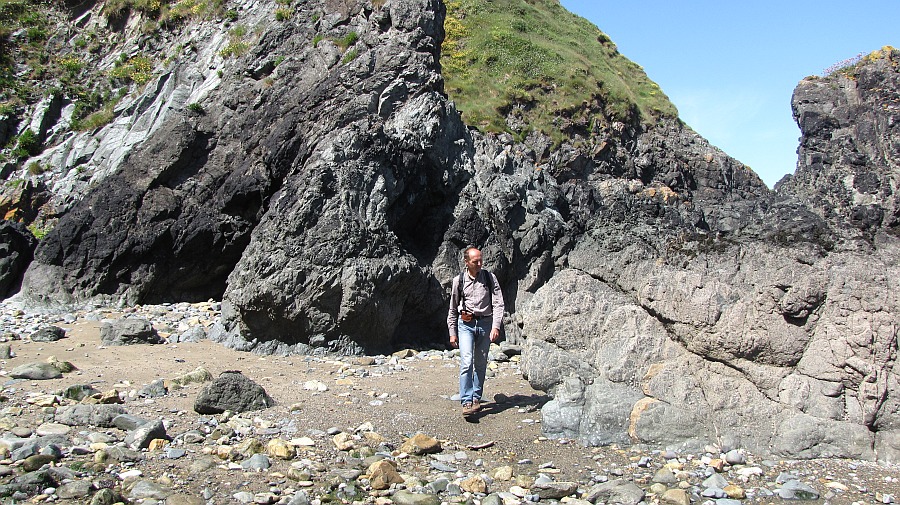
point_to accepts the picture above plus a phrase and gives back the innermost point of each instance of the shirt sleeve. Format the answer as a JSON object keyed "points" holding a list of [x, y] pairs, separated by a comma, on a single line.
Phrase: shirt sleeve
{"points": [[453, 312], [497, 302]]}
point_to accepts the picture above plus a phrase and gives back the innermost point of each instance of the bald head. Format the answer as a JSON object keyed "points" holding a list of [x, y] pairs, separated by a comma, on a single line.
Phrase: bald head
{"points": [[472, 257]]}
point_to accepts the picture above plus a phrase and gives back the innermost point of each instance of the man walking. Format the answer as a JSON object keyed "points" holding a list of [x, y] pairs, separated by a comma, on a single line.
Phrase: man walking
{"points": [[474, 319]]}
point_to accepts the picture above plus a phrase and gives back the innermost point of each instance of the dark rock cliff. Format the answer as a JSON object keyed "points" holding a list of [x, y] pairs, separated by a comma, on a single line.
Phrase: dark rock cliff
{"points": [[849, 152], [17, 246], [663, 294]]}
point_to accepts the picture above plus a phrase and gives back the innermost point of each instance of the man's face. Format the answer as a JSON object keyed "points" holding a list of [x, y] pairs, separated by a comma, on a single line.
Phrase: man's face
{"points": [[473, 261]]}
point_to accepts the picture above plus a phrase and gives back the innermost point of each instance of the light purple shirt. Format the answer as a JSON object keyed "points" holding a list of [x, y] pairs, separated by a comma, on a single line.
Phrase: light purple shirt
{"points": [[478, 300]]}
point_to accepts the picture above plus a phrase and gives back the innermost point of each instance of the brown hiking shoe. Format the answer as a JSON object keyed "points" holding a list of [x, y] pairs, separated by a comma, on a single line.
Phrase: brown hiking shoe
{"points": [[476, 405], [467, 409]]}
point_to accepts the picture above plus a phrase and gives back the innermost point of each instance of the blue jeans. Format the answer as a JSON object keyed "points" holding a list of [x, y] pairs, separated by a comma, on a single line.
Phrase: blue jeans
{"points": [[474, 344]]}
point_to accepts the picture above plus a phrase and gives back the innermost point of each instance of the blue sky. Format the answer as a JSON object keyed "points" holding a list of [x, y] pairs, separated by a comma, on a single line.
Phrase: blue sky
{"points": [[731, 67]]}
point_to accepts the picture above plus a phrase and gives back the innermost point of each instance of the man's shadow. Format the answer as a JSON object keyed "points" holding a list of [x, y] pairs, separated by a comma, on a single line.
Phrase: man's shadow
{"points": [[502, 402]]}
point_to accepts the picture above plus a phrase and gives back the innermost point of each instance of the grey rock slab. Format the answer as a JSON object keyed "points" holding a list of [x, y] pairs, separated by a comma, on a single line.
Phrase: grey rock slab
{"points": [[105, 496], [124, 454], [615, 491], [195, 333], [47, 429], [141, 436], [203, 464], [21, 431], [155, 389], [796, 490], [13, 442], [74, 490], [25, 451], [715, 480], [128, 422], [35, 371], [243, 497], [442, 467], [785, 477], [128, 331], [554, 490], [78, 392], [713, 492], [52, 450], [664, 476], [174, 453], [404, 497], [439, 485], [48, 334], [256, 462], [146, 489], [88, 415]]}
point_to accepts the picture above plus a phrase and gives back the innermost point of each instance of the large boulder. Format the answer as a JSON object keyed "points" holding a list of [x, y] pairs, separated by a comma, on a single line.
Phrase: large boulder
{"points": [[232, 391], [128, 331]]}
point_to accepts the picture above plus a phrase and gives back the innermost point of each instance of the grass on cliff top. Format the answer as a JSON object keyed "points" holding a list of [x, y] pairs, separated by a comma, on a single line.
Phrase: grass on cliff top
{"points": [[850, 66], [557, 71]]}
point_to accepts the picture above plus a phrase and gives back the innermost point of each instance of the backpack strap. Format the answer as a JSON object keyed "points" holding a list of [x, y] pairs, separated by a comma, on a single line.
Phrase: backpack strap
{"points": [[462, 295]]}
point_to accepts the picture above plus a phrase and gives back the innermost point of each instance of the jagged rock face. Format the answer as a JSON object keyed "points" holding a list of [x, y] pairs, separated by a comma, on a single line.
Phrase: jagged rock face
{"points": [[847, 168], [779, 335], [17, 246], [663, 295]]}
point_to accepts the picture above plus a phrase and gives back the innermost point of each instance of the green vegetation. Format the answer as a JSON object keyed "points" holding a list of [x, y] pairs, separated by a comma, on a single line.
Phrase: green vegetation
{"points": [[318, 38], [137, 69], [14, 183], [35, 168], [27, 144], [347, 40], [94, 111], [285, 11], [283, 14], [165, 11], [350, 56], [21, 17], [95, 120], [556, 71], [39, 232], [195, 107], [236, 46], [71, 64]]}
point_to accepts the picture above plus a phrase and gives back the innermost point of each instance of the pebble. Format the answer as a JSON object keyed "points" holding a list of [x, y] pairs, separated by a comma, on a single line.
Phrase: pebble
{"points": [[735, 457]]}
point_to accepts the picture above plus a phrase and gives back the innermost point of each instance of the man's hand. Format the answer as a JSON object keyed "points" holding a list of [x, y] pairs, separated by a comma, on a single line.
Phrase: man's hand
{"points": [[495, 334], [454, 342]]}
